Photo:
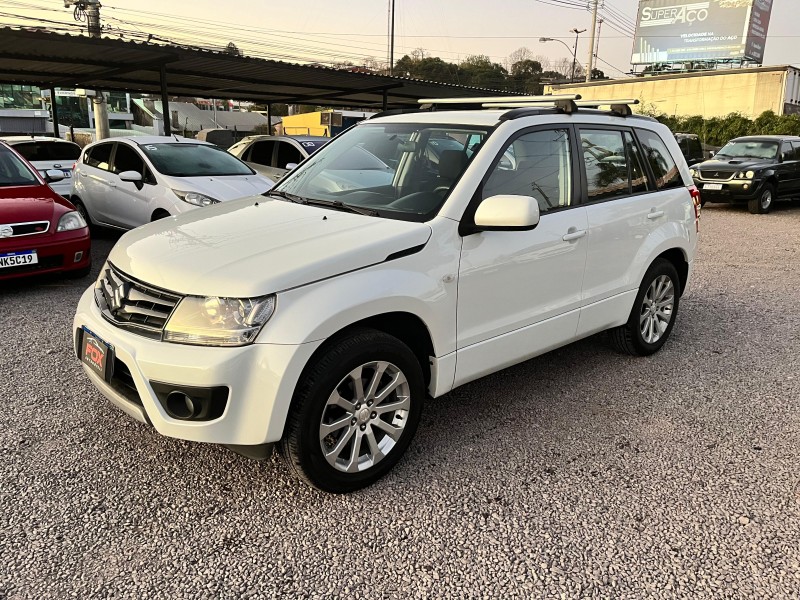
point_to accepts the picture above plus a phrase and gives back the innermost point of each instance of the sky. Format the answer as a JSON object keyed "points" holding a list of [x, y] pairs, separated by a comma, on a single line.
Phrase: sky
{"points": [[330, 31]]}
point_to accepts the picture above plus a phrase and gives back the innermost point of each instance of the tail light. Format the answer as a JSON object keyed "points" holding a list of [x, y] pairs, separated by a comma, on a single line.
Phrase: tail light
{"points": [[695, 193]]}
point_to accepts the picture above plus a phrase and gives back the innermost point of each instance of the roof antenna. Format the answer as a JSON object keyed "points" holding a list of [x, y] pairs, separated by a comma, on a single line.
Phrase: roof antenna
{"points": [[175, 135]]}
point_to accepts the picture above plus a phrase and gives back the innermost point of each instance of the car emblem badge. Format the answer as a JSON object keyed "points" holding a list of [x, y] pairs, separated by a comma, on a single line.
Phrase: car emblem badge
{"points": [[119, 293], [6, 231]]}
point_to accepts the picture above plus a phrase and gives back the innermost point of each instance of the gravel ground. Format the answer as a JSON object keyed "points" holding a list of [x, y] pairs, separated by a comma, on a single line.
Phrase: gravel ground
{"points": [[582, 473]]}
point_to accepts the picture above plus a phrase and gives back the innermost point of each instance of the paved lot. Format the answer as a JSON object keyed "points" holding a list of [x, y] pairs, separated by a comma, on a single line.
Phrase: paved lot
{"points": [[579, 474]]}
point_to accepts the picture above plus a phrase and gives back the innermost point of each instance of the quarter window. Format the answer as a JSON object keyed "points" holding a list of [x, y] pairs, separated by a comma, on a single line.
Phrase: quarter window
{"points": [[99, 156], [661, 163], [537, 164]]}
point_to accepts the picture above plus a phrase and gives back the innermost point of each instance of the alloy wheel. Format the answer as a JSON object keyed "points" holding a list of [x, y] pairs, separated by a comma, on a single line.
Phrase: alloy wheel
{"points": [[365, 416], [657, 307], [766, 199]]}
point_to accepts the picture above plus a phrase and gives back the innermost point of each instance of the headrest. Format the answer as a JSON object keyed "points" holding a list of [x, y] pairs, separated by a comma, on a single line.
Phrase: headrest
{"points": [[451, 163]]}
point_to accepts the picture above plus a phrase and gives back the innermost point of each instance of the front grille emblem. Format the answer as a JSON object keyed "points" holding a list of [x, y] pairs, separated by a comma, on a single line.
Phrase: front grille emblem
{"points": [[119, 293], [6, 231]]}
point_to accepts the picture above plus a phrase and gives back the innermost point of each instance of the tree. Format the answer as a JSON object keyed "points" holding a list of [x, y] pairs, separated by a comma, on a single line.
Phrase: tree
{"points": [[598, 74], [479, 71], [431, 68], [232, 49], [526, 76]]}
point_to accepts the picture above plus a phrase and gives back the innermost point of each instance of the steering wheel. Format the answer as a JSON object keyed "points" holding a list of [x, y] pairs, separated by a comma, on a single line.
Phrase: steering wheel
{"points": [[441, 189]]}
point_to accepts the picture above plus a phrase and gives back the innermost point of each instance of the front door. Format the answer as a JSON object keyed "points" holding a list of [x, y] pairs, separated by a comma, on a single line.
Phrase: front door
{"points": [[519, 292], [132, 201]]}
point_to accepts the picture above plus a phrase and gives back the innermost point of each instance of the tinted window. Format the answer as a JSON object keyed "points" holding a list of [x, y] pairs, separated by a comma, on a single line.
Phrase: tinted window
{"points": [[13, 171], [126, 159], [749, 149], [638, 176], [541, 167], [796, 146], [606, 163], [261, 153], [49, 151], [99, 156], [787, 152], [194, 160], [661, 163], [287, 154]]}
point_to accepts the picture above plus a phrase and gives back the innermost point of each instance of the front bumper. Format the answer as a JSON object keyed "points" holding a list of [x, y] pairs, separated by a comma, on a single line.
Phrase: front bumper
{"points": [[734, 190], [260, 377], [56, 253]]}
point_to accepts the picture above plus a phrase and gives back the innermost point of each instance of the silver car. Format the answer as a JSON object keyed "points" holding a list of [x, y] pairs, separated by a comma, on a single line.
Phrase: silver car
{"points": [[276, 155]]}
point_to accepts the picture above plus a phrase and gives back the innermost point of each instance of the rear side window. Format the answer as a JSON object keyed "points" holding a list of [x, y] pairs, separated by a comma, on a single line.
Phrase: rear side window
{"points": [[99, 156], [608, 170], [49, 151], [661, 162], [261, 153]]}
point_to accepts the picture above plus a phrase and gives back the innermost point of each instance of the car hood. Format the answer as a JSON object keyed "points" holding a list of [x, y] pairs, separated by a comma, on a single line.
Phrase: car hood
{"points": [[733, 165], [23, 204], [224, 187], [256, 246]]}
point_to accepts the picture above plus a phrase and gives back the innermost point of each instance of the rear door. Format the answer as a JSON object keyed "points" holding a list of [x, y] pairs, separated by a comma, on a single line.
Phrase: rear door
{"points": [[787, 171], [625, 206], [94, 174]]}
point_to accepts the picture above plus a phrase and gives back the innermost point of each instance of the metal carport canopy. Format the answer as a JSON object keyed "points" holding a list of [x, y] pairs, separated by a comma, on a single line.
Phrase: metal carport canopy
{"points": [[45, 59]]}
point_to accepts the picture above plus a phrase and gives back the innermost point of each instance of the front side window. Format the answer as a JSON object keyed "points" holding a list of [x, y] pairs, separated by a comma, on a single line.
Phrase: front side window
{"points": [[661, 163], [787, 153], [193, 160], [99, 156], [126, 159], [14, 172], [386, 168], [288, 154], [537, 164]]}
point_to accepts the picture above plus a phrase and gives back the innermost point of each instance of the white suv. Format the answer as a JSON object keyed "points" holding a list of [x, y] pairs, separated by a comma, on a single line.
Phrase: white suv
{"points": [[126, 182], [321, 320]]}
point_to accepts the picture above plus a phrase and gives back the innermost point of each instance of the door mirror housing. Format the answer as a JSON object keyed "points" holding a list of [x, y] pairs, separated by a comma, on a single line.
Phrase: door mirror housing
{"points": [[291, 166], [53, 175], [131, 176], [507, 213]]}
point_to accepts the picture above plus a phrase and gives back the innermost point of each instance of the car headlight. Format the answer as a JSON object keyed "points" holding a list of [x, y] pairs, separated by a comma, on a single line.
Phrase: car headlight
{"points": [[750, 174], [216, 321], [195, 198], [693, 172], [71, 221]]}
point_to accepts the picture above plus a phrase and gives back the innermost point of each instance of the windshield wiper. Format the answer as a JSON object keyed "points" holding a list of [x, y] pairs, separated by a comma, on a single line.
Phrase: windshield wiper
{"points": [[286, 196], [338, 204]]}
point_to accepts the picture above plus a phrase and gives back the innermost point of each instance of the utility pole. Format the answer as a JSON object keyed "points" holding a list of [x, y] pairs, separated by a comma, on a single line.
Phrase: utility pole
{"points": [[391, 39], [591, 41], [89, 10], [577, 32]]}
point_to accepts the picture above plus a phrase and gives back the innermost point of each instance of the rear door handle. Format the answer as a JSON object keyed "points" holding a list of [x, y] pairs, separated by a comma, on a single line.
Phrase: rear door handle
{"points": [[655, 214], [573, 235]]}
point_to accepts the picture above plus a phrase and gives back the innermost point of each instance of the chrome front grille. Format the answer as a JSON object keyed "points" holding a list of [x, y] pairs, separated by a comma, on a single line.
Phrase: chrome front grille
{"points": [[20, 229], [133, 305], [716, 175]]}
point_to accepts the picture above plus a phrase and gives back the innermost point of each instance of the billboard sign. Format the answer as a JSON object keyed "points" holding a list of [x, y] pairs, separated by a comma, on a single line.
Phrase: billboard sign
{"points": [[692, 30]]}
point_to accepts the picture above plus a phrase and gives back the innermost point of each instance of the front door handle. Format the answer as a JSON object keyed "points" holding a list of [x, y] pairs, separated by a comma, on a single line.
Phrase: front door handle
{"points": [[655, 214], [112, 183], [574, 234]]}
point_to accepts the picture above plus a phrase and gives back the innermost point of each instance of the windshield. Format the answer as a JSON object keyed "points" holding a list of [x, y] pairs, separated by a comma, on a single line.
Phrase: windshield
{"points": [[749, 149], [14, 172], [402, 171], [49, 151], [194, 160]]}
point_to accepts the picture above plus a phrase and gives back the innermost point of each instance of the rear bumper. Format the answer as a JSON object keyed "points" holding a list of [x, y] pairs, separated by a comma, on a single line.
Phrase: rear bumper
{"points": [[59, 253]]}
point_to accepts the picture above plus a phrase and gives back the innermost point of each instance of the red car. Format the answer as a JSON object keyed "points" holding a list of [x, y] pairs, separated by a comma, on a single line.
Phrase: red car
{"points": [[40, 231]]}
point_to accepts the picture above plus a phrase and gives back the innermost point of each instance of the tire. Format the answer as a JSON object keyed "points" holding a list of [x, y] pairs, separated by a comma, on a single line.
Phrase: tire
{"points": [[327, 394], [764, 202], [159, 214], [81, 208], [646, 330]]}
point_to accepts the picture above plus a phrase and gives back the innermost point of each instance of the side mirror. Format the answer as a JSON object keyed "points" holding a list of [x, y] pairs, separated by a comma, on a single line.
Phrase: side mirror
{"points": [[711, 154], [131, 176], [53, 175], [507, 213], [290, 166]]}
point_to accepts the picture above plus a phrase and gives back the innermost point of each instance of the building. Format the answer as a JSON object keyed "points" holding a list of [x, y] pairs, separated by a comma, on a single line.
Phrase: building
{"points": [[187, 118], [326, 123], [749, 91]]}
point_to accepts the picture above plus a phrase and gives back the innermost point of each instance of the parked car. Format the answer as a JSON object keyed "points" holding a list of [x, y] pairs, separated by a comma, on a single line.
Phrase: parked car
{"points": [[275, 155], [320, 319], [47, 153], [40, 231], [691, 148], [756, 169], [126, 182]]}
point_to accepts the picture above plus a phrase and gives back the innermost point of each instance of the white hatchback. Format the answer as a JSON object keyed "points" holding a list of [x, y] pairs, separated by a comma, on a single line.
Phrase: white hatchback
{"points": [[320, 318], [47, 153], [126, 182]]}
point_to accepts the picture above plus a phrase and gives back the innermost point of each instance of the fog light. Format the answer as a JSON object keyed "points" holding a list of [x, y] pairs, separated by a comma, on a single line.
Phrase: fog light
{"points": [[747, 186], [181, 406], [78, 256]]}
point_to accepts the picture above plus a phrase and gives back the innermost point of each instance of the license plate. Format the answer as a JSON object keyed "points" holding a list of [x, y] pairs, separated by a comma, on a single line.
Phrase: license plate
{"points": [[18, 259], [96, 354], [712, 186]]}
